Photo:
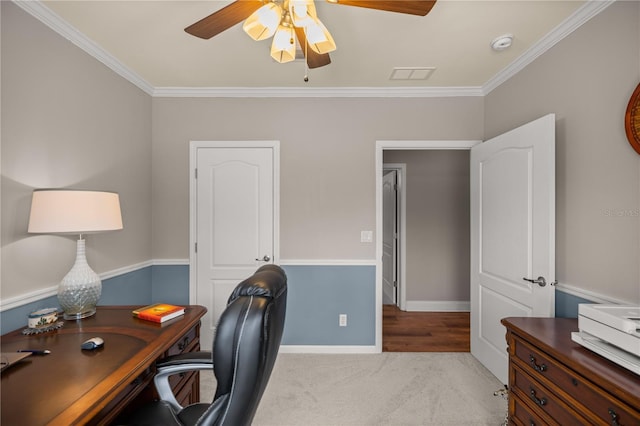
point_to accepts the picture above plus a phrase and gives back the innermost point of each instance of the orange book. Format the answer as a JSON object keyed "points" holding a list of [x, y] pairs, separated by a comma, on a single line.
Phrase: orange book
{"points": [[159, 312]]}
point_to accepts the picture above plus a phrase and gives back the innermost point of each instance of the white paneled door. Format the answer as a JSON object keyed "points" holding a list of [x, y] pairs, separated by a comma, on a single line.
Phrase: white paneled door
{"points": [[235, 221], [512, 235], [389, 237]]}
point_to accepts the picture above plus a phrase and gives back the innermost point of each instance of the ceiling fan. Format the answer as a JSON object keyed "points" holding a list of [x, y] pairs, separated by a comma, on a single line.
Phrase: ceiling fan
{"points": [[288, 20]]}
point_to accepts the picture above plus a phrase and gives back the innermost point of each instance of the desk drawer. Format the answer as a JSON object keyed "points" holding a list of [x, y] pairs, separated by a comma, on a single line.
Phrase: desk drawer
{"points": [[190, 342], [186, 343], [540, 399], [577, 391]]}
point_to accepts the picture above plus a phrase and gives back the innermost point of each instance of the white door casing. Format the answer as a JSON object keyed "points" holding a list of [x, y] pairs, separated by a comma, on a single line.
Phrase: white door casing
{"points": [[234, 220], [381, 146], [512, 235], [390, 237]]}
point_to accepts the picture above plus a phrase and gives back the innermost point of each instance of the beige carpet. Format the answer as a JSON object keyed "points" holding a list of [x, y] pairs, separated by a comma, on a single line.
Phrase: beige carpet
{"points": [[398, 389]]}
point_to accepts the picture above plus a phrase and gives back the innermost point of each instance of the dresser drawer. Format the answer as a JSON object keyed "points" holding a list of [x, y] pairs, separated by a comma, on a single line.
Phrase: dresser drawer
{"points": [[522, 415], [541, 400], [577, 391]]}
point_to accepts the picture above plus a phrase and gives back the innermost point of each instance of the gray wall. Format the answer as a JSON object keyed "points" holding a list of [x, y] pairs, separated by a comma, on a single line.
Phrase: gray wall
{"points": [[586, 80], [327, 177], [67, 121], [437, 223]]}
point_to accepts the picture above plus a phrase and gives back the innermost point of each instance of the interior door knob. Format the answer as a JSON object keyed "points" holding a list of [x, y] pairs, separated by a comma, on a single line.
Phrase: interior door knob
{"points": [[540, 281], [266, 258]]}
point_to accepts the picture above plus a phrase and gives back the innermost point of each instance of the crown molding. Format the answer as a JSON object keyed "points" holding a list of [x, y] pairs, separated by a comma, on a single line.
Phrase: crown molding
{"points": [[315, 92], [587, 11], [41, 12], [51, 19]]}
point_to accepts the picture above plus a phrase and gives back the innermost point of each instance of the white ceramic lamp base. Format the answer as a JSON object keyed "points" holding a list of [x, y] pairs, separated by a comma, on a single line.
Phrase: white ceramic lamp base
{"points": [[80, 289]]}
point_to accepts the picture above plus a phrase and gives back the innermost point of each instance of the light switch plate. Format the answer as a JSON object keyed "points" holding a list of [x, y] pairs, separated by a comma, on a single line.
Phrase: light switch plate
{"points": [[366, 236]]}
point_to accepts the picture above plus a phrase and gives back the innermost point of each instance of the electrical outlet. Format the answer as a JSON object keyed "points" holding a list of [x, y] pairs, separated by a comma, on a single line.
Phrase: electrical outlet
{"points": [[342, 320]]}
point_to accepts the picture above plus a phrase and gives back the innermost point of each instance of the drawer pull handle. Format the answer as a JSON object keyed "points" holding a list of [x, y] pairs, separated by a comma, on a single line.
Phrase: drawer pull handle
{"points": [[541, 368], [540, 401], [614, 417], [184, 344], [532, 423]]}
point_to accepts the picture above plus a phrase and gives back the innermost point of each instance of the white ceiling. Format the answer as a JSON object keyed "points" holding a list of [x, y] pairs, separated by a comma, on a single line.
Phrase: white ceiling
{"points": [[147, 40]]}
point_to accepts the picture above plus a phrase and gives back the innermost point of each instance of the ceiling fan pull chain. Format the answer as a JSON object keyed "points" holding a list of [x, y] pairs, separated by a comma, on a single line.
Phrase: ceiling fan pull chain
{"points": [[306, 51]]}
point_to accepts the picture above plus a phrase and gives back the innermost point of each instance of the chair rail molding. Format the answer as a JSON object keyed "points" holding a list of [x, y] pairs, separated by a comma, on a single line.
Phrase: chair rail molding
{"points": [[52, 290]]}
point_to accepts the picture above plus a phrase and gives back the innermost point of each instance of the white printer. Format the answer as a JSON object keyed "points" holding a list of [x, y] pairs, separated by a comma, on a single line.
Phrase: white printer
{"points": [[612, 331]]}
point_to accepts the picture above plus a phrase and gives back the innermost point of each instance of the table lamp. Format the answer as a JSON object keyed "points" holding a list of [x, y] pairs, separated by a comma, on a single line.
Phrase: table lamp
{"points": [[64, 211]]}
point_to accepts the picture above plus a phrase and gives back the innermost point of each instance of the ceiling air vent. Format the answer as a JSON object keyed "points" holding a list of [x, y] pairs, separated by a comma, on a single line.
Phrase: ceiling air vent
{"points": [[411, 73]]}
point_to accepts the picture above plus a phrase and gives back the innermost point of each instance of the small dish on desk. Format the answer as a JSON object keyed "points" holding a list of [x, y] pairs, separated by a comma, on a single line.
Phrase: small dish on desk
{"points": [[42, 321]]}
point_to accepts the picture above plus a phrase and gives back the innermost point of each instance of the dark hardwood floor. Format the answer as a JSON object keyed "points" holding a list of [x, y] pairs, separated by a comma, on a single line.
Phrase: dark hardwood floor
{"points": [[424, 331]]}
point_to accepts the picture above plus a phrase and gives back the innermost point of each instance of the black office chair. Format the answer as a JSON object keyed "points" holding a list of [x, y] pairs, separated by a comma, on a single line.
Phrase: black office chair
{"points": [[245, 348]]}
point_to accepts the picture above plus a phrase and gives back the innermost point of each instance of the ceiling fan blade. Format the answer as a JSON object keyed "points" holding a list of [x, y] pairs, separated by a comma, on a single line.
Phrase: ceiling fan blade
{"points": [[314, 59], [412, 7], [224, 18]]}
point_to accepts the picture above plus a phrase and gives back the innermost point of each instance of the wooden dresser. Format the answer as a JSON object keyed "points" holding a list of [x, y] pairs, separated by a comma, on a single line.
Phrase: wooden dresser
{"points": [[555, 381]]}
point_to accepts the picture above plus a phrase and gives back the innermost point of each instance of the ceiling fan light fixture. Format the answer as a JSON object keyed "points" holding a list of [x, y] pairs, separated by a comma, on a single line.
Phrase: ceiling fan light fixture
{"points": [[302, 12], [263, 23], [319, 38], [283, 48]]}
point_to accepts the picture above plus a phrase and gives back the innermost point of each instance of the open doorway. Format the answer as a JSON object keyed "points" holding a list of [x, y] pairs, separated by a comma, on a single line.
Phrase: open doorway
{"points": [[434, 285]]}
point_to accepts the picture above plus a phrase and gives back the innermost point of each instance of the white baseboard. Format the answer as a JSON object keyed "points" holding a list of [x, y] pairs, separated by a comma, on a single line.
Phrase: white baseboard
{"points": [[438, 306], [328, 349]]}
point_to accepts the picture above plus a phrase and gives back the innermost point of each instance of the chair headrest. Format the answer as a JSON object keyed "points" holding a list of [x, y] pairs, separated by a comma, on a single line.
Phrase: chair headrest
{"points": [[269, 281]]}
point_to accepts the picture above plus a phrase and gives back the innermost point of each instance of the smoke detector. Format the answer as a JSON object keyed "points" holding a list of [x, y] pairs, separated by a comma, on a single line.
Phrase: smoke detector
{"points": [[503, 42]]}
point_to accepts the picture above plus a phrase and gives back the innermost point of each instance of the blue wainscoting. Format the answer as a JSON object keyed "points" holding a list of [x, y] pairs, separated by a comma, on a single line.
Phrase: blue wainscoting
{"points": [[131, 288], [140, 287], [170, 284], [318, 294], [15, 318], [567, 304]]}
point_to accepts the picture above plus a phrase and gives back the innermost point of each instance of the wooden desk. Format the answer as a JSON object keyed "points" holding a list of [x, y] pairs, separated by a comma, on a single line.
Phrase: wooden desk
{"points": [[72, 386], [555, 381]]}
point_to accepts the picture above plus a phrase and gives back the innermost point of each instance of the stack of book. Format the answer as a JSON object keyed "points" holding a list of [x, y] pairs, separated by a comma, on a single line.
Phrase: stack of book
{"points": [[158, 312]]}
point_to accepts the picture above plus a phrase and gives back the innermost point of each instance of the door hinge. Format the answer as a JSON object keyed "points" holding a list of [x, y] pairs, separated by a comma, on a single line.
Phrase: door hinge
{"points": [[196, 173], [196, 247]]}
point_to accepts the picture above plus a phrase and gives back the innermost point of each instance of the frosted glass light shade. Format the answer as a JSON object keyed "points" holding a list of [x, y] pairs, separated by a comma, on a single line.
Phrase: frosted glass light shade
{"points": [[263, 23], [74, 212], [302, 12], [319, 38], [283, 48]]}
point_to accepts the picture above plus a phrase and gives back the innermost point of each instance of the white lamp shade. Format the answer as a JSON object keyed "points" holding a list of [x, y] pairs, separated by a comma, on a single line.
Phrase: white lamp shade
{"points": [[283, 48], [74, 212], [263, 23]]}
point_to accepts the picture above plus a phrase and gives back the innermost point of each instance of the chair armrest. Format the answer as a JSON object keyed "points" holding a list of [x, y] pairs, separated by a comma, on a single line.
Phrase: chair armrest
{"points": [[204, 357], [176, 364]]}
